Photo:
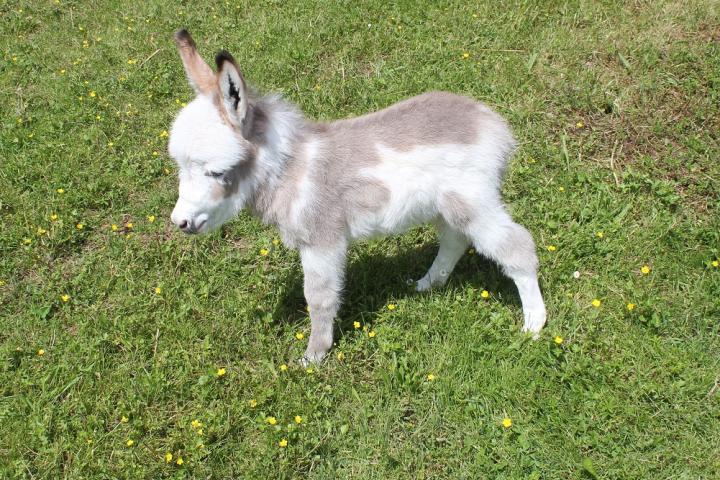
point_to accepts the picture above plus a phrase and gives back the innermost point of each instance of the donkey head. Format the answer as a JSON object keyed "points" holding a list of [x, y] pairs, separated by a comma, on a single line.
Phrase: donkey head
{"points": [[209, 140]]}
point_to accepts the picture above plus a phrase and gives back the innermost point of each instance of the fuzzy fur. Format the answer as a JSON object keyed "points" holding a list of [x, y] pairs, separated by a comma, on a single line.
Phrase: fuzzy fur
{"points": [[436, 158]]}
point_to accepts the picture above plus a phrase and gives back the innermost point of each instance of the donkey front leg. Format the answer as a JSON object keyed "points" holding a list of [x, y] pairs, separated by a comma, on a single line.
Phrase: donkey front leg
{"points": [[324, 271]]}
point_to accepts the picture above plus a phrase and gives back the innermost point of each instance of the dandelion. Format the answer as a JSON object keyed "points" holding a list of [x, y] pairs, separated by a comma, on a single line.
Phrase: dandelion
{"points": [[264, 251], [596, 303], [168, 457], [271, 420], [114, 227], [129, 225], [299, 335], [60, 191], [252, 403], [431, 377], [196, 424], [130, 443], [341, 356], [561, 189], [630, 307], [163, 134], [356, 325], [41, 352], [65, 298], [27, 241], [559, 340], [92, 94], [715, 263], [580, 125], [220, 372], [391, 306], [41, 231], [276, 242], [283, 367], [599, 234], [645, 269], [465, 55], [485, 294], [151, 218], [123, 419], [158, 290], [507, 423], [80, 226], [298, 419], [179, 461], [283, 443], [371, 333], [309, 371], [551, 248]]}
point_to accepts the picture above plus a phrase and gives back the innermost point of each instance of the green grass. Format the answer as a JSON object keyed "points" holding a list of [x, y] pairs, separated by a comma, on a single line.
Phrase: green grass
{"points": [[628, 394]]}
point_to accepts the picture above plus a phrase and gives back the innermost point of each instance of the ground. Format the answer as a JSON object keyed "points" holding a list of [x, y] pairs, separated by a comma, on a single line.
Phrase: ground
{"points": [[131, 351]]}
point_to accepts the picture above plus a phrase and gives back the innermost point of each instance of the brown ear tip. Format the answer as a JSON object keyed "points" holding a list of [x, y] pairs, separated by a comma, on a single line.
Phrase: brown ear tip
{"points": [[182, 37], [222, 57]]}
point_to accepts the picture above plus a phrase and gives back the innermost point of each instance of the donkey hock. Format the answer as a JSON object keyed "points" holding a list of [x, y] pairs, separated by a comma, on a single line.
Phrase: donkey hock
{"points": [[435, 158]]}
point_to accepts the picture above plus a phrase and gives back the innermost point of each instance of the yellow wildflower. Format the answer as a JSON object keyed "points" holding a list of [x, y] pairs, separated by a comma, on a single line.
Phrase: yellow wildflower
{"points": [[151, 218], [580, 125], [596, 303], [168, 457], [123, 419], [27, 241], [465, 55], [179, 461], [196, 424], [132, 61], [371, 333], [309, 371], [61, 191], [252, 403], [130, 443], [645, 269], [340, 356], [551, 248], [431, 377], [264, 251], [129, 225], [41, 352], [391, 306], [283, 367], [484, 294], [271, 420], [298, 419], [283, 443], [276, 242], [92, 94], [54, 217], [559, 340], [715, 263], [220, 372], [599, 234], [630, 307], [65, 298], [163, 134], [561, 189], [299, 335], [507, 423], [41, 231], [356, 324], [80, 226], [158, 290]]}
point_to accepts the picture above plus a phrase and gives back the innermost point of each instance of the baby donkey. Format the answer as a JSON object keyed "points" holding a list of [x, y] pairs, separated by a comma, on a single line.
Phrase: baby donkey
{"points": [[436, 158]]}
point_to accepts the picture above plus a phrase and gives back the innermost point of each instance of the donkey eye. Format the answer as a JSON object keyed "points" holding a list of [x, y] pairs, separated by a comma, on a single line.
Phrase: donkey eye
{"points": [[215, 174]]}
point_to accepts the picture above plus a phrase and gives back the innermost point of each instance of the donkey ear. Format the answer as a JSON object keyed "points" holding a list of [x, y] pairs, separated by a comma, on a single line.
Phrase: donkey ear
{"points": [[233, 89], [199, 73]]}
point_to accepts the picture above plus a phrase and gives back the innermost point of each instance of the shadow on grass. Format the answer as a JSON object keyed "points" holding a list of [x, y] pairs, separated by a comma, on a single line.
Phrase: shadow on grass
{"points": [[374, 279]]}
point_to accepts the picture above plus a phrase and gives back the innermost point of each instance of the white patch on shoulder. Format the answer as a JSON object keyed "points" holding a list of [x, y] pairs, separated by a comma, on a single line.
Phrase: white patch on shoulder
{"points": [[305, 186]]}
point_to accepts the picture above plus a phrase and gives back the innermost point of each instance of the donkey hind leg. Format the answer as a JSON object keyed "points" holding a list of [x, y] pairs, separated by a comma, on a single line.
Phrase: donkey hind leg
{"points": [[497, 237], [453, 244]]}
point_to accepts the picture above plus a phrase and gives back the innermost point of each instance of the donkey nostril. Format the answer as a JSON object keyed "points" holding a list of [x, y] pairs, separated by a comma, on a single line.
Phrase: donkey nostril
{"points": [[183, 224]]}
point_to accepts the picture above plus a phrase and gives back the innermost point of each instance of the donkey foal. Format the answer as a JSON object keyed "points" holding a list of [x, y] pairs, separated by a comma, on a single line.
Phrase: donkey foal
{"points": [[437, 158]]}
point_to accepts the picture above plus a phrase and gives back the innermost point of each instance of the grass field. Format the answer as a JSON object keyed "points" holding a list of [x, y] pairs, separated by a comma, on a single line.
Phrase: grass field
{"points": [[131, 351]]}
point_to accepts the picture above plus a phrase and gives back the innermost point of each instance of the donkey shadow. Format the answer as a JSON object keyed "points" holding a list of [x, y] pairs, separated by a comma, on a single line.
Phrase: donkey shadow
{"points": [[374, 279]]}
